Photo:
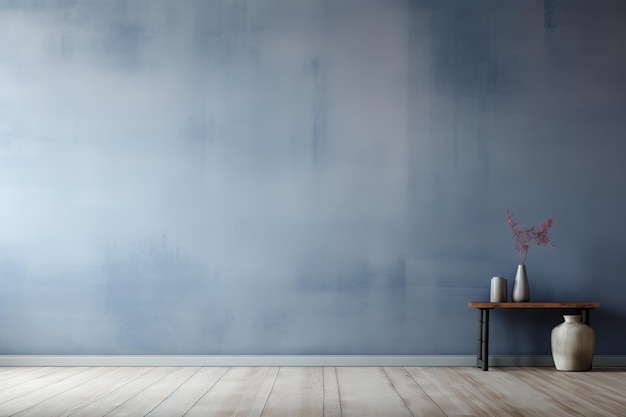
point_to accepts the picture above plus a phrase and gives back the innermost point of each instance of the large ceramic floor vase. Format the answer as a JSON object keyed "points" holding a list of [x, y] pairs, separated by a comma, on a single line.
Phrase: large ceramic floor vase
{"points": [[521, 291], [573, 343]]}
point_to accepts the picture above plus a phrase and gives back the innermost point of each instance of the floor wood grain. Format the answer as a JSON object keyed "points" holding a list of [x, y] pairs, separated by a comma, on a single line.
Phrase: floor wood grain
{"points": [[310, 392]]}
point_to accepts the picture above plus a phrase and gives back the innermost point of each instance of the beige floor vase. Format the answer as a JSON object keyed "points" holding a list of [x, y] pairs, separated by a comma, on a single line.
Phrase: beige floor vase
{"points": [[573, 344]]}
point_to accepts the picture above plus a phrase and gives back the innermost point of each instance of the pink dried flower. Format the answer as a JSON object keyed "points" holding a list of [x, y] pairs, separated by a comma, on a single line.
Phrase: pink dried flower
{"points": [[525, 238]]}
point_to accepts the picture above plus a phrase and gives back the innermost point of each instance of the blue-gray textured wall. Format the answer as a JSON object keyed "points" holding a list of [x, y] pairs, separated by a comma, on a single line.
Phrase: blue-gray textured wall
{"points": [[305, 176]]}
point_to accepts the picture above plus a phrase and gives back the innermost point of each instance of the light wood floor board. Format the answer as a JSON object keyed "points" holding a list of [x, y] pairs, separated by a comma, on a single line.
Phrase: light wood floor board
{"points": [[578, 391], [416, 400], [240, 392], [310, 392], [13, 376], [53, 384], [116, 398], [332, 404], [368, 392], [26, 375], [297, 392], [497, 385], [455, 395], [600, 379], [71, 401], [184, 397], [148, 399]]}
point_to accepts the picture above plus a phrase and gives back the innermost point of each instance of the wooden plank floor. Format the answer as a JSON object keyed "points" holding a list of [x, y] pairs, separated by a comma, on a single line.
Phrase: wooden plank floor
{"points": [[310, 392]]}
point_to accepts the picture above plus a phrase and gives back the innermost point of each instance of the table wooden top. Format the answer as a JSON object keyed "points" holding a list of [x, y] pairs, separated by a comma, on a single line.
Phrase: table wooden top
{"points": [[535, 304]]}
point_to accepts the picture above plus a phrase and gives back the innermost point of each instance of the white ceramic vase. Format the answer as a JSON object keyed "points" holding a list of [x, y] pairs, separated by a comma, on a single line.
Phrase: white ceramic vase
{"points": [[521, 291], [573, 343]]}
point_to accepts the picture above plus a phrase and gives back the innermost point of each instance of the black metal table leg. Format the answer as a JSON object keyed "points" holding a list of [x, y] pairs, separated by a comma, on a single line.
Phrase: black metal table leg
{"points": [[585, 316], [485, 340], [584, 313], [479, 338], [482, 354]]}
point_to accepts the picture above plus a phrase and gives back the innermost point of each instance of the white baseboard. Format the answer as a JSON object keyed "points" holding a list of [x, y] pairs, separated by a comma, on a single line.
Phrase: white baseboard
{"points": [[243, 360], [305, 360]]}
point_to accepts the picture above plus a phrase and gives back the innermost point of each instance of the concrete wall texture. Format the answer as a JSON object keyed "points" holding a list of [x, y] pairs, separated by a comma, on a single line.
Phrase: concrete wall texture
{"points": [[306, 176]]}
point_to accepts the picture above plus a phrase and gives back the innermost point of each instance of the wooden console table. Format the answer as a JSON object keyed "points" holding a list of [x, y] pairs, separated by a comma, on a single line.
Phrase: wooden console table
{"points": [[482, 356]]}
